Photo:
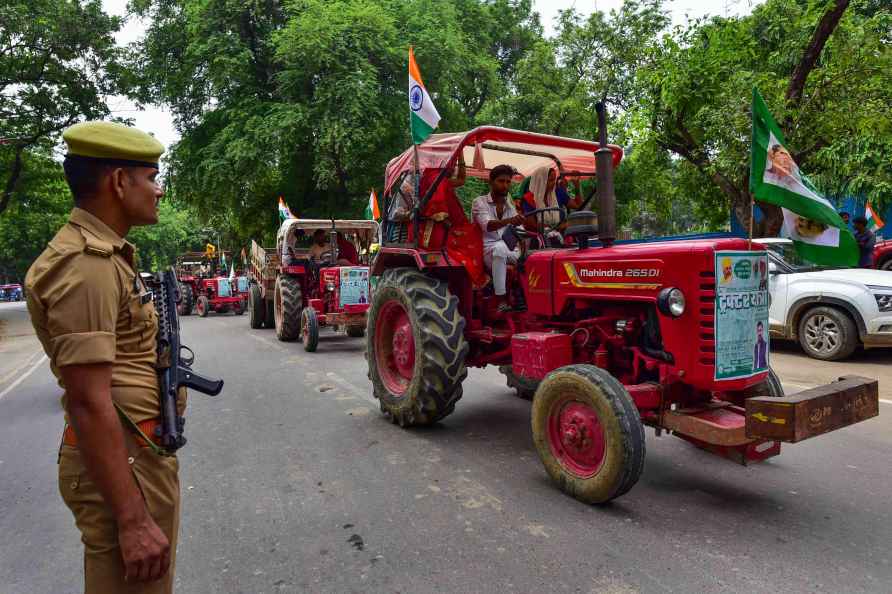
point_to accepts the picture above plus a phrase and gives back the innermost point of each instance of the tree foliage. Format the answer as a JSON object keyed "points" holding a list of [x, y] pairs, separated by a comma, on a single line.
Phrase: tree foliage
{"points": [[58, 64], [835, 111]]}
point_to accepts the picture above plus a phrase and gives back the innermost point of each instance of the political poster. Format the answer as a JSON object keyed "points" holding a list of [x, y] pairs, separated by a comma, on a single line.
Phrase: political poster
{"points": [[741, 314], [354, 286]]}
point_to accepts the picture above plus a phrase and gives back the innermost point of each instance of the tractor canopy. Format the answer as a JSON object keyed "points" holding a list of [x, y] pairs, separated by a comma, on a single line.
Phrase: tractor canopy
{"points": [[365, 232], [487, 146]]}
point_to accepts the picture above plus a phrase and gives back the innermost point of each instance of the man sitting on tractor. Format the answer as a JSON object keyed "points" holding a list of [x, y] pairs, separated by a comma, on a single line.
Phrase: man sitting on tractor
{"points": [[493, 212], [320, 245]]}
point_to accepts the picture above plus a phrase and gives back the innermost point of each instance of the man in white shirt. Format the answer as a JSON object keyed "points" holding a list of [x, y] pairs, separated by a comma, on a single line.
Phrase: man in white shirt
{"points": [[493, 212]]}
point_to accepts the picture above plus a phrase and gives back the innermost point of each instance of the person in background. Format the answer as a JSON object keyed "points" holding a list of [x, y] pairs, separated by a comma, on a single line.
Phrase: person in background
{"points": [[866, 242], [845, 218]]}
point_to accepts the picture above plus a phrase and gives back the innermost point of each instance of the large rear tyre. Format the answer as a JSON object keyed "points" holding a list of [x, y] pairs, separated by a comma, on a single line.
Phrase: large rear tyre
{"points": [[309, 331], [525, 388], [289, 304], [588, 433], [184, 307], [356, 331], [415, 347], [827, 333], [202, 307], [256, 307], [269, 318]]}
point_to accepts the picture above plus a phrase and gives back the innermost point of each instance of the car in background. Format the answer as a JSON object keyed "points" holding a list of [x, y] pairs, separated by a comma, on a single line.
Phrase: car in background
{"points": [[829, 311], [882, 254]]}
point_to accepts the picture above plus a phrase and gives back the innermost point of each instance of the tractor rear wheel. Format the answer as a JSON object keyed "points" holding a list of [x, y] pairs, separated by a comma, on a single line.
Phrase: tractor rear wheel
{"points": [[309, 329], [415, 348], [269, 318], [184, 307], [202, 306], [256, 307], [356, 331], [289, 304], [588, 433], [525, 388]]}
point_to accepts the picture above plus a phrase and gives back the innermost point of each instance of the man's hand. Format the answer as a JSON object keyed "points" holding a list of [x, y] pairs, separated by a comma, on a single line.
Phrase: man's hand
{"points": [[517, 219], [144, 549]]}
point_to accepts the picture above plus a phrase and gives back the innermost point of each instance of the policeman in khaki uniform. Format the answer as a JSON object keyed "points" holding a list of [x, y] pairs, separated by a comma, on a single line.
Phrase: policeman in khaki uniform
{"points": [[97, 324]]}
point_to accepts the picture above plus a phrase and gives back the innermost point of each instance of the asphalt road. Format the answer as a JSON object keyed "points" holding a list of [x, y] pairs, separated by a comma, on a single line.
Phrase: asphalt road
{"points": [[292, 482]]}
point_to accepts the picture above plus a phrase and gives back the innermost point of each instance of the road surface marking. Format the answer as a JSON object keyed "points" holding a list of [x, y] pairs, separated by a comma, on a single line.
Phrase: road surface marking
{"points": [[24, 365], [350, 387], [22, 377]]}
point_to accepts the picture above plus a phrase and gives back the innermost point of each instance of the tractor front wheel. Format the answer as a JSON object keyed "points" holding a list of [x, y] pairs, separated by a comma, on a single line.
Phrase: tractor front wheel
{"points": [[356, 331], [289, 304], [202, 306], [415, 348], [184, 307], [309, 331], [256, 307], [269, 316], [239, 308], [588, 433]]}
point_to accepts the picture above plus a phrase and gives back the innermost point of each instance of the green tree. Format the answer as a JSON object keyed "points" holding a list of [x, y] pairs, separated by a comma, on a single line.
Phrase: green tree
{"points": [[307, 100], [825, 72], [58, 64]]}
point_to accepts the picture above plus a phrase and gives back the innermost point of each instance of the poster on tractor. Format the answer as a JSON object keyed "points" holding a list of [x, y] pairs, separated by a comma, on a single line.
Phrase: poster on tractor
{"points": [[741, 314], [354, 286]]}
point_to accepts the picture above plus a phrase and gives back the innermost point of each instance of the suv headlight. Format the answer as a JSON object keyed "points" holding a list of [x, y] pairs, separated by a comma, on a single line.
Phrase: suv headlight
{"points": [[671, 302], [883, 295]]}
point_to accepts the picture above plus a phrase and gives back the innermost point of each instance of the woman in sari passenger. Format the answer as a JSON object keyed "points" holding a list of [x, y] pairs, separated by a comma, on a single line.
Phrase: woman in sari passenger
{"points": [[544, 192]]}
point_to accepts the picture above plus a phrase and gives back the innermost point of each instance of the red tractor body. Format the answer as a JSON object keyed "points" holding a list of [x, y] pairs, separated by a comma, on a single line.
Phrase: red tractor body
{"points": [[219, 294], [882, 254], [604, 337], [298, 294]]}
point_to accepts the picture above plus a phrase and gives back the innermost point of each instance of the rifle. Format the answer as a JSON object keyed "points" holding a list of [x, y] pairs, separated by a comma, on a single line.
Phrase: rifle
{"points": [[174, 361]]}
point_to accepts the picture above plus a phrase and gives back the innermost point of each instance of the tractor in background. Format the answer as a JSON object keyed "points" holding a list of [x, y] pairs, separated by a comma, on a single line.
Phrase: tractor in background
{"points": [[604, 336], [205, 287], [299, 294]]}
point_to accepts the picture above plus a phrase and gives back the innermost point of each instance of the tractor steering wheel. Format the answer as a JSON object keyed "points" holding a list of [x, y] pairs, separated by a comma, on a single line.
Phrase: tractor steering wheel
{"points": [[539, 214]]}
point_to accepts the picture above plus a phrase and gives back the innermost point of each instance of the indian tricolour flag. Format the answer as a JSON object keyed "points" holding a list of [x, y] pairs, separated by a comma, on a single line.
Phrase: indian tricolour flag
{"points": [[874, 222], [284, 211], [810, 220], [424, 117], [372, 212]]}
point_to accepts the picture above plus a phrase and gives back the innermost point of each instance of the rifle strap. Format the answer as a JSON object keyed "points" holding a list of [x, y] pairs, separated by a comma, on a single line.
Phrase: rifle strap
{"points": [[135, 428]]}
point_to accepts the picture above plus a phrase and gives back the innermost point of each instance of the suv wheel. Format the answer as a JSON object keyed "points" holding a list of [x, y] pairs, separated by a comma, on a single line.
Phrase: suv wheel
{"points": [[827, 333]]}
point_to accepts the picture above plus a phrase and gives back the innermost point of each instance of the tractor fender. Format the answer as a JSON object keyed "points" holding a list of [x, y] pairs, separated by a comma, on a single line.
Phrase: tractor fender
{"points": [[388, 258]]}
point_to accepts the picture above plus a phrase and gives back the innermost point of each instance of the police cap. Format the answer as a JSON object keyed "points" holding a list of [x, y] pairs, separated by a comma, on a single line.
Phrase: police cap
{"points": [[112, 143]]}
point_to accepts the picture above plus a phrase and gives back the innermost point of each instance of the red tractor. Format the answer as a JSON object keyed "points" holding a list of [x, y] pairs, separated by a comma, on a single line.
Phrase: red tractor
{"points": [[219, 294], [299, 289], [605, 337], [190, 268], [882, 254], [205, 287]]}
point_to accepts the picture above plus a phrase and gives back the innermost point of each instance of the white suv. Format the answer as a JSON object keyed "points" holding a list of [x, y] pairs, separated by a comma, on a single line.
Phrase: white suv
{"points": [[830, 311]]}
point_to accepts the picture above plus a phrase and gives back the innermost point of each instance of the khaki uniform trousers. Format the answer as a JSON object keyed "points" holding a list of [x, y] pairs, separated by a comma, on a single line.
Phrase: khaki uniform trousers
{"points": [[158, 481]]}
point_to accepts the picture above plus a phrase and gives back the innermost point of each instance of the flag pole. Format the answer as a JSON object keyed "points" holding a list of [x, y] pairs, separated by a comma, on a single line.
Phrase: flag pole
{"points": [[749, 245]]}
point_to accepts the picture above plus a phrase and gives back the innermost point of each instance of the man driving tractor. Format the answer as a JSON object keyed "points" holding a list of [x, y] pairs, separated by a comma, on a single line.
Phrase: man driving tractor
{"points": [[492, 213]]}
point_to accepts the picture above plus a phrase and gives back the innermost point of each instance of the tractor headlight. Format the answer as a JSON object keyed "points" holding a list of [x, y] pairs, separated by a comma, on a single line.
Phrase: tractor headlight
{"points": [[329, 286], [671, 302]]}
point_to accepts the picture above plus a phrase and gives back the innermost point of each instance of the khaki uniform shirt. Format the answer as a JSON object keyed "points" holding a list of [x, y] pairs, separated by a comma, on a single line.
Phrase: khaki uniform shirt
{"points": [[89, 305]]}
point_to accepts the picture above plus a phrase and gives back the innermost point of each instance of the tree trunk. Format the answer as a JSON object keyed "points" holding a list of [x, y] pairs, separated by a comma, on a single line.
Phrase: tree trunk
{"points": [[13, 179], [813, 50]]}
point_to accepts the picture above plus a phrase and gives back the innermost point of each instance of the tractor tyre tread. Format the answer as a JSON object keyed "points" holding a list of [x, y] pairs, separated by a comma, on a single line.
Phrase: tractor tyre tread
{"points": [[256, 307], [525, 388], [356, 331], [292, 305], [631, 430], [440, 361]]}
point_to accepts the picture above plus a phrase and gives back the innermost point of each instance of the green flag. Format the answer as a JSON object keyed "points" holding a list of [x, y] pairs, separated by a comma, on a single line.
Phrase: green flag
{"points": [[810, 220]]}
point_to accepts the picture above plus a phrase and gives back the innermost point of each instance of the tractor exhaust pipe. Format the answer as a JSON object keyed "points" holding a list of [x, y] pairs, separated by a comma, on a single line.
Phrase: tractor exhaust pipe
{"points": [[604, 170]]}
